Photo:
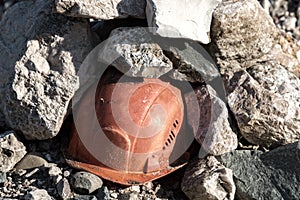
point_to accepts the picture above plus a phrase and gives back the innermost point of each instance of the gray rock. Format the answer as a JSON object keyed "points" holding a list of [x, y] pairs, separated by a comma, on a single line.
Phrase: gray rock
{"points": [[219, 138], [208, 117], [38, 66], [63, 188], [191, 62], [84, 197], [271, 175], [208, 179], [103, 193], [11, 151], [130, 196], [54, 171], [38, 194], [3, 178], [181, 19], [101, 9], [86, 183], [265, 101], [284, 158], [134, 52], [31, 161]]}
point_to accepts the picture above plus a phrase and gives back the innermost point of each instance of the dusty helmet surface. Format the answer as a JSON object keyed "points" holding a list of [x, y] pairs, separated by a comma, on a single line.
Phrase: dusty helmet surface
{"points": [[140, 122]]}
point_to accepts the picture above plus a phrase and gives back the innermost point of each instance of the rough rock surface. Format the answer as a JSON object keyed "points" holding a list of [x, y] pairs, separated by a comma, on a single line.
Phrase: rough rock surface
{"points": [[218, 138], [136, 53], [107, 9], [254, 57], [265, 100], [208, 179], [41, 52], [208, 117], [286, 158], [241, 31], [244, 33], [11, 151], [191, 62], [271, 175], [181, 19], [86, 183]]}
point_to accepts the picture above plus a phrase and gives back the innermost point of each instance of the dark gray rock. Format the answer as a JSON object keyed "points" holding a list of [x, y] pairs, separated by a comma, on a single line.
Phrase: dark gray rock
{"points": [[63, 188], [86, 183], [286, 158], [103, 193], [191, 62], [11, 151], [84, 197], [271, 175], [40, 54]]}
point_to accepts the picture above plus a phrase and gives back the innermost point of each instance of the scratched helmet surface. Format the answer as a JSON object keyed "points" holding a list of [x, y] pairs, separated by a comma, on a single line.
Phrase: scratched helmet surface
{"points": [[141, 120]]}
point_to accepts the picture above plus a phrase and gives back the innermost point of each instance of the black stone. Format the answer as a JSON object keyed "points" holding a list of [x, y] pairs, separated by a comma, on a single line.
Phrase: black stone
{"points": [[269, 176]]}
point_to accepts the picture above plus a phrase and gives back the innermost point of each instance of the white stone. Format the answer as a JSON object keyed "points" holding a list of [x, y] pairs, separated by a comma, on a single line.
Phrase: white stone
{"points": [[181, 19], [11, 151]]}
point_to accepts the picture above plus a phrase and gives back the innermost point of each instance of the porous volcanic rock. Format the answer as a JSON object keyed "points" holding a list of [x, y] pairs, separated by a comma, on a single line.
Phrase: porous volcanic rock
{"points": [[41, 53]]}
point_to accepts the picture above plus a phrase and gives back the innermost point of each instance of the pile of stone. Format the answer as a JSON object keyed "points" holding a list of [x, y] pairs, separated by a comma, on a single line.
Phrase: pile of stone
{"points": [[249, 134]]}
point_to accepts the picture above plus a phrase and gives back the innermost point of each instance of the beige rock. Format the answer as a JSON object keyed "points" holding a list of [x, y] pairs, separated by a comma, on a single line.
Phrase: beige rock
{"points": [[265, 100], [218, 138], [31, 161], [208, 179], [107, 9], [241, 31]]}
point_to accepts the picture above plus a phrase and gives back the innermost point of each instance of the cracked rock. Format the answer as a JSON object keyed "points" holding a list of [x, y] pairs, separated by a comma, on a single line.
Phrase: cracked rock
{"points": [[265, 100], [41, 53]]}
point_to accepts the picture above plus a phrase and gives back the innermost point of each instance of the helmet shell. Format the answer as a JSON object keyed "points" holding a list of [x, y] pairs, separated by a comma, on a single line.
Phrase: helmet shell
{"points": [[142, 119]]}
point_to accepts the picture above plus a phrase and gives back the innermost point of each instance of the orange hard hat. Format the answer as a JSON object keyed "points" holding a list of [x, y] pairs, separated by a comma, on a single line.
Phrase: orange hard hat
{"points": [[140, 122]]}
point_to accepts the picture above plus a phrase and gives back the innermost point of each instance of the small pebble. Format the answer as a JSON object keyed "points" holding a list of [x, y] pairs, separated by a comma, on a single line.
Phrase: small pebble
{"points": [[63, 188], [86, 183], [31, 161], [114, 195], [38, 194]]}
